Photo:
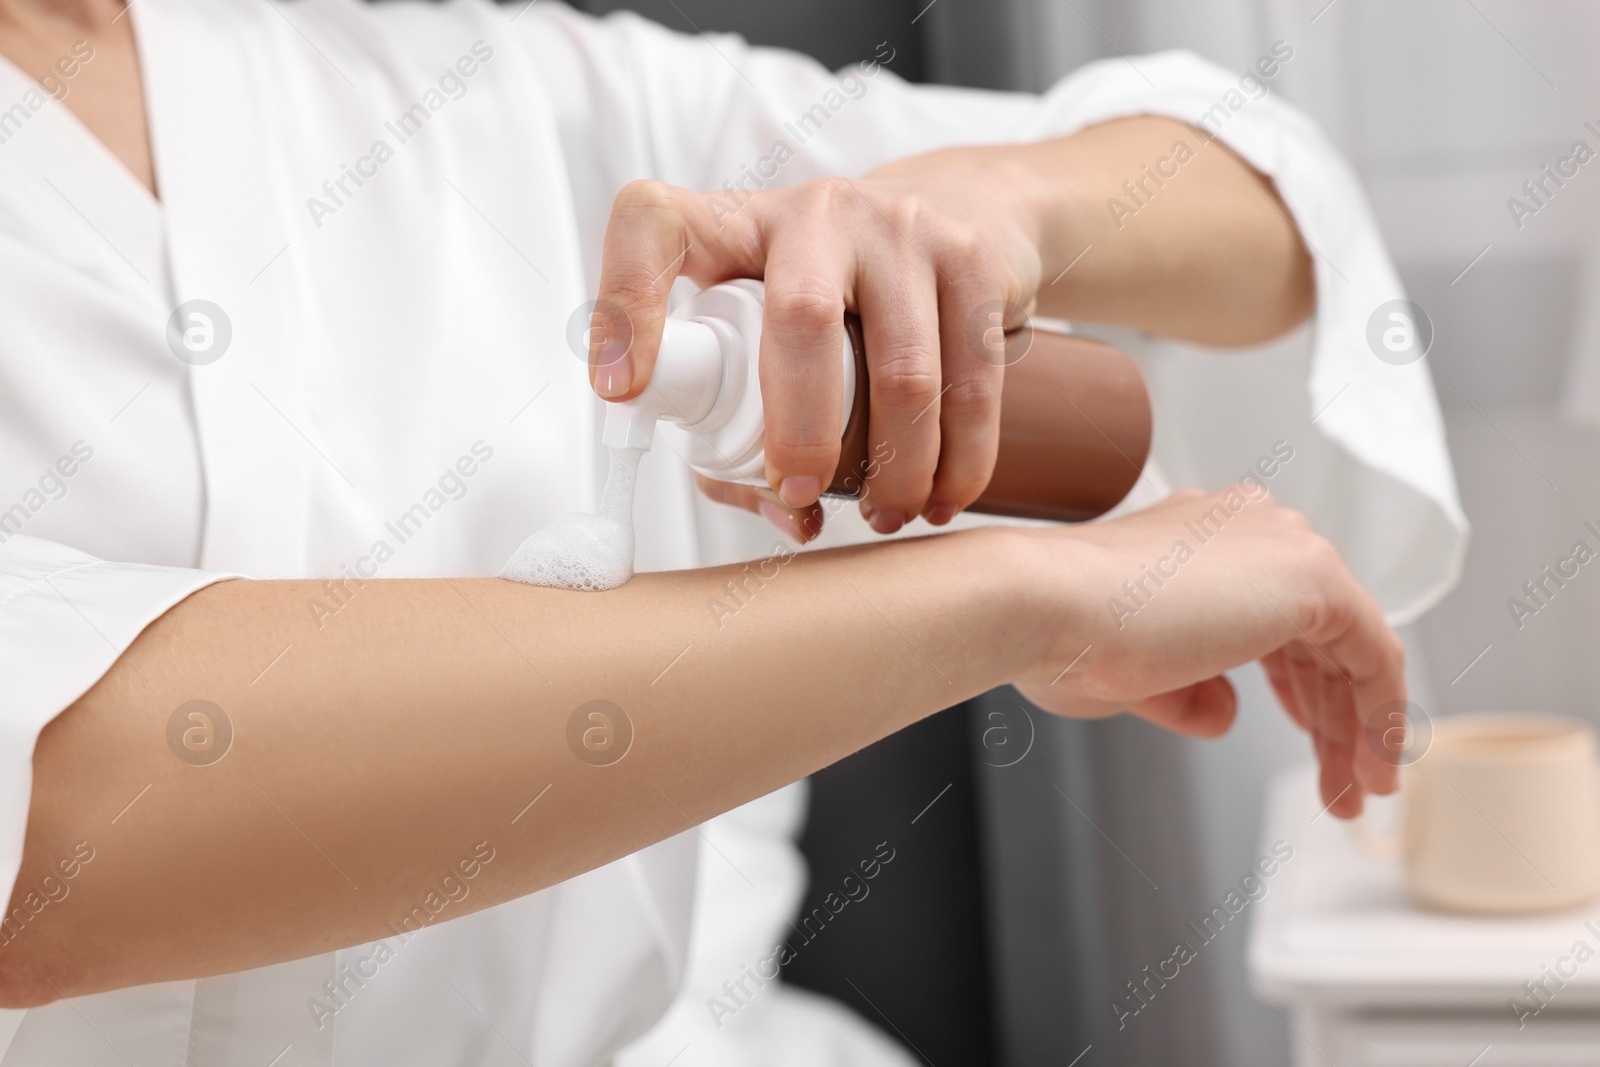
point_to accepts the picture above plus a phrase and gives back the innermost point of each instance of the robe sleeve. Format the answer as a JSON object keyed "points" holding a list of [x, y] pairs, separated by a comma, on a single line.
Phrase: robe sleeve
{"points": [[65, 618], [1370, 468]]}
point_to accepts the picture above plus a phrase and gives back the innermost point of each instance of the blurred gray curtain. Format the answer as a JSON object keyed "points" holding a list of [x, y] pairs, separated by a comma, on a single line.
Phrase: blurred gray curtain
{"points": [[1028, 44]]}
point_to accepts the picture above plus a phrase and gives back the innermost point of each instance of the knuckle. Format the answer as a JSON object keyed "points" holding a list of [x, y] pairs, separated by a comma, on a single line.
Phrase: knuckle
{"points": [[970, 396], [909, 213], [645, 194], [801, 446], [806, 307], [906, 378], [1325, 559], [634, 290], [962, 245], [830, 192]]}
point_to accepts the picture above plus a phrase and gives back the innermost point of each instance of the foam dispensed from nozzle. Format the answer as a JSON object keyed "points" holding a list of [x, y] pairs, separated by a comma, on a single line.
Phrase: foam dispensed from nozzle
{"points": [[587, 552], [595, 552]]}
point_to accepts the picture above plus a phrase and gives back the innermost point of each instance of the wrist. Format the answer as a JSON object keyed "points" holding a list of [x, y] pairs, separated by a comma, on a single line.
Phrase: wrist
{"points": [[1041, 590], [1055, 210]]}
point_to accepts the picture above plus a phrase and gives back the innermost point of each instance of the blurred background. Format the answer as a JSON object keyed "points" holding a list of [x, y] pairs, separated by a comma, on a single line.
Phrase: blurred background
{"points": [[1028, 894]]}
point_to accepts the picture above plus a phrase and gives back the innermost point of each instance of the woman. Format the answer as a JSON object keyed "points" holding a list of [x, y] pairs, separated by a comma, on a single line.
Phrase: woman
{"points": [[290, 287]]}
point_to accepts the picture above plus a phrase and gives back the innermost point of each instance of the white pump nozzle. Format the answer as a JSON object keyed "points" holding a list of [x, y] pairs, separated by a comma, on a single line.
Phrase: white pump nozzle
{"points": [[683, 387]]}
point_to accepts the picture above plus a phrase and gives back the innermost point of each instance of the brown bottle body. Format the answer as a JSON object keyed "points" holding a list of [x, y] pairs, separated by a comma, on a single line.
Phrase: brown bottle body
{"points": [[1075, 427]]}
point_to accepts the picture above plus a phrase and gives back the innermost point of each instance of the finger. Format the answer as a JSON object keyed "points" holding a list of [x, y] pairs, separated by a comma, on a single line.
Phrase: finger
{"points": [[1277, 672], [809, 269], [1308, 688], [1372, 697], [1337, 735], [1285, 670], [655, 233], [973, 376], [1339, 792], [799, 524], [1306, 684], [1321, 708], [1204, 709], [1335, 707], [899, 308], [1357, 644]]}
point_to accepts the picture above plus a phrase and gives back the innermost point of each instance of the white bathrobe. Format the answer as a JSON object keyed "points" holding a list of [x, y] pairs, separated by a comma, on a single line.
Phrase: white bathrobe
{"points": [[392, 213]]}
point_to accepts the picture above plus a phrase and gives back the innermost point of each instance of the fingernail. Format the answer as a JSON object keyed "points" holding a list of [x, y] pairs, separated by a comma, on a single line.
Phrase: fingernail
{"points": [[942, 513], [614, 372], [779, 518], [887, 522], [800, 490]]}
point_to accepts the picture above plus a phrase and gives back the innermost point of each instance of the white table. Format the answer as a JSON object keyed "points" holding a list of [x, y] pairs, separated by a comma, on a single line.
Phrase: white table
{"points": [[1366, 979]]}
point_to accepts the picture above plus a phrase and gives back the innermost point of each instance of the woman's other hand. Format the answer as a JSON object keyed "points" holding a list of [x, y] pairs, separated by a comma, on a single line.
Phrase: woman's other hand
{"points": [[1167, 599]]}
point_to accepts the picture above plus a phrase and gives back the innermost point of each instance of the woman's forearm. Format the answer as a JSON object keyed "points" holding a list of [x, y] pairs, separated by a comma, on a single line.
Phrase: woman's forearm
{"points": [[1178, 236], [410, 730], [430, 727]]}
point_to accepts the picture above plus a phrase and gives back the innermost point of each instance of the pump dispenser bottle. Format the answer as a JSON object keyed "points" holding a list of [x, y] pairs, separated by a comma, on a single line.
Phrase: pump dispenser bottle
{"points": [[1074, 427]]}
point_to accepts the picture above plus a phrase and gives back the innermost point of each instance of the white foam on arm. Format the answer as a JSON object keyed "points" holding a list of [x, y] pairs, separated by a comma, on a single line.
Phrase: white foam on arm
{"points": [[585, 552]]}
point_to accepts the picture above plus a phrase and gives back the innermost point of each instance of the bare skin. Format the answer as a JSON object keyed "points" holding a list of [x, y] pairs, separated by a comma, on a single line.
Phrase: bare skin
{"points": [[426, 716], [107, 92]]}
